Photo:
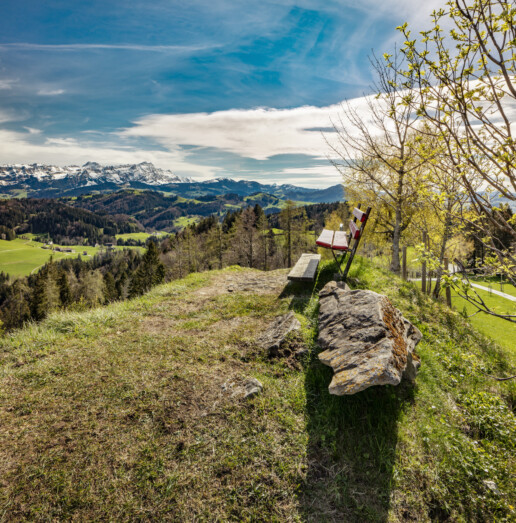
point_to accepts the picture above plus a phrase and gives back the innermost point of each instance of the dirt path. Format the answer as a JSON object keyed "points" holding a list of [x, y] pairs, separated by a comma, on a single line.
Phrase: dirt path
{"points": [[256, 282]]}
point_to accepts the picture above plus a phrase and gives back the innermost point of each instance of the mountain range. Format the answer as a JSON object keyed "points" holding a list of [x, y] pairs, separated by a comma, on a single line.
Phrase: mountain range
{"points": [[90, 174], [50, 181]]}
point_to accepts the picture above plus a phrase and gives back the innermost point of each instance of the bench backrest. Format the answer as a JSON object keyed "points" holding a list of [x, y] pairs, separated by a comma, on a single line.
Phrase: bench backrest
{"points": [[359, 215], [354, 230]]}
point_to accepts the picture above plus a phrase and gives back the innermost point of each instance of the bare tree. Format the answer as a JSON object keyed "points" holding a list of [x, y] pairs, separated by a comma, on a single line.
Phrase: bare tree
{"points": [[375, 152]]}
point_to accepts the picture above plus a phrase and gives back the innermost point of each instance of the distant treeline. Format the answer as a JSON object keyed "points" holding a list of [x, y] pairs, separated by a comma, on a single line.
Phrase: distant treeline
{"points": [[62, 223], [244, 237], [249, 238], [78, 284], [155, 210]]}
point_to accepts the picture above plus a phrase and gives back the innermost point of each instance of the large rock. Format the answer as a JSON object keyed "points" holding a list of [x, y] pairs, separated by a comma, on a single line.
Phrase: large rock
{"points": [[368, 342]]}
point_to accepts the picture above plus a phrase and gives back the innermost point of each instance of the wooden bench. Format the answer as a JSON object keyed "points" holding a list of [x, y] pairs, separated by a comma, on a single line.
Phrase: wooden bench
{"points": [[342, 242], [305, 268]]}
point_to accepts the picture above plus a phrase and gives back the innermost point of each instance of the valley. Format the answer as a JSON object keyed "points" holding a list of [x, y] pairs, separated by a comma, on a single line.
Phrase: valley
{"points": [[21, 257]]}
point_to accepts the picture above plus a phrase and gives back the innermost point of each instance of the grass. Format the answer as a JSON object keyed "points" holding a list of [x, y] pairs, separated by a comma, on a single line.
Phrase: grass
{"points": [[413, 261], [120, 413], [139, 235], [498, 329], [20, 257], [184, 221], [494, 283]]}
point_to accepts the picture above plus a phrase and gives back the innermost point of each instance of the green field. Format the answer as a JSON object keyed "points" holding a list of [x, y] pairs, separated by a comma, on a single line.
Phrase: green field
{"points": [[184, 221], [495, 285], [20, 257], [142, 236], [502, 331]]}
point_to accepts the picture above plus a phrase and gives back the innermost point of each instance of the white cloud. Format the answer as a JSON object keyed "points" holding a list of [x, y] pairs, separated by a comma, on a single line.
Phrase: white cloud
{"points": [[23, 46], [61, 141], [320, 176], [10, 116], [16, 147], [50, 92], [6, 83], [255, 133]]}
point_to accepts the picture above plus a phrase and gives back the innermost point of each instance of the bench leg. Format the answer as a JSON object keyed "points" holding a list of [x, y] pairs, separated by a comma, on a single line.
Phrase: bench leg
{"points": [[339, 262], [350, 259]]}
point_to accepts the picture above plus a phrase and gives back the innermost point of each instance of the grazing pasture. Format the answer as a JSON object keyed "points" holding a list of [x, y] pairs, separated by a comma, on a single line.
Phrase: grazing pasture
{"points": [[20, 257]]}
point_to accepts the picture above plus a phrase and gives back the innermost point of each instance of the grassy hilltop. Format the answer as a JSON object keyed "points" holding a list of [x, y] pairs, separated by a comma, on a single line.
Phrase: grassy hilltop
{"points": [[121, 413]]}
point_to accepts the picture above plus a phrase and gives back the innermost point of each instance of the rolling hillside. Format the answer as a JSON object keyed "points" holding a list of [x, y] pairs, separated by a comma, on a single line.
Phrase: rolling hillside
{"points": [[61, 222], [157, 211], [127, 413]]}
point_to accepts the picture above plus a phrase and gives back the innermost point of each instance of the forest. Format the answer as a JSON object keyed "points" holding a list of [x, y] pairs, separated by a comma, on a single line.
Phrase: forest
{"points": [[157, 211], [245, 237], [63, 224]]}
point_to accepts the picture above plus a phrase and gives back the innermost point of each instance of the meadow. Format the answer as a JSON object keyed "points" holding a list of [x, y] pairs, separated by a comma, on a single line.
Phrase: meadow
{"points": [[125, 413], [21, 257], [140, 236], [502, 331]]}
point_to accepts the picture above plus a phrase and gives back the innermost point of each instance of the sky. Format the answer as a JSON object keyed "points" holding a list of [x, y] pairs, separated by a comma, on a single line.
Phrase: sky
{"points": [[205, 88]]}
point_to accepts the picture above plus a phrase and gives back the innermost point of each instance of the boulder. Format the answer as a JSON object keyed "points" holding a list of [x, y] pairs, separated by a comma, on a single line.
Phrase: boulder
{"points": [[367, 340]]}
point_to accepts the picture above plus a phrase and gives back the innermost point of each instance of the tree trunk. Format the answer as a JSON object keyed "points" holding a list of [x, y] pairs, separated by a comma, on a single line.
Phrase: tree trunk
{"points": [[220, 247], [395, 261], [437, 286]]}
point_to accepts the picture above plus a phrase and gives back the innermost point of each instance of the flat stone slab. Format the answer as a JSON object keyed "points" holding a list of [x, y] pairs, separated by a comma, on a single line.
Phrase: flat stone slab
{"points": [[305, 268], [276, 336], [367, 340]]}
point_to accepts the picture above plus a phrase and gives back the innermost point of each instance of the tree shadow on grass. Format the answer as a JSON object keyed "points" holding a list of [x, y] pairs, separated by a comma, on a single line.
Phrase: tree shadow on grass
{"points": [[352, 439]]}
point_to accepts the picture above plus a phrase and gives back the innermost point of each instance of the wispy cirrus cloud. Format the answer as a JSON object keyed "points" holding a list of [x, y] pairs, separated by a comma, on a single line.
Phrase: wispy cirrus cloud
{"points": [[50, 92], [7, 83], [26, 46]]}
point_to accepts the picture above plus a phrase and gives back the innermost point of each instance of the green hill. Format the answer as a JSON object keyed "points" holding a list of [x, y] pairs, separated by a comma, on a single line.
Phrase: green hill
{"points": [[125, 413]]}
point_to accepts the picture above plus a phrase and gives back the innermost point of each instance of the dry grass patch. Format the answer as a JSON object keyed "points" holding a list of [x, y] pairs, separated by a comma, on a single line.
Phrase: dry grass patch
{"points": [[125, 416]]}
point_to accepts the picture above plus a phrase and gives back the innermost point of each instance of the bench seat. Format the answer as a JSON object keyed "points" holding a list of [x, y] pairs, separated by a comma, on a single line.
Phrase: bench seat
{"points": [[340, 241], [306, 268], [325, 239], [337, 240]]}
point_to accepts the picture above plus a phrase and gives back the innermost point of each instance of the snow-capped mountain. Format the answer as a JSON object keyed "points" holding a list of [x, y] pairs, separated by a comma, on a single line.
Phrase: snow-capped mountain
{"points": [[89, 175], [49, 181]]}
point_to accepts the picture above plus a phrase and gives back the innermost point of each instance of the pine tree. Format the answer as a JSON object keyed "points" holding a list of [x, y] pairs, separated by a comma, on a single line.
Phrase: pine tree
{"points": [[149, 273], [45, 295], [65, 294], [110, 287]]}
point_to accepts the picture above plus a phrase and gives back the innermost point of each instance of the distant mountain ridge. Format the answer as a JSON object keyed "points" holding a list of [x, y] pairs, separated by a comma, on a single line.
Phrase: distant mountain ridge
{"points": [[49, 181], [90, 174]]}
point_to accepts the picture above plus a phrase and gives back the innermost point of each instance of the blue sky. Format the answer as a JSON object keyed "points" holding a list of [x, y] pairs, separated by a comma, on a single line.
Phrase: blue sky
{"points": [[205, 88]]}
